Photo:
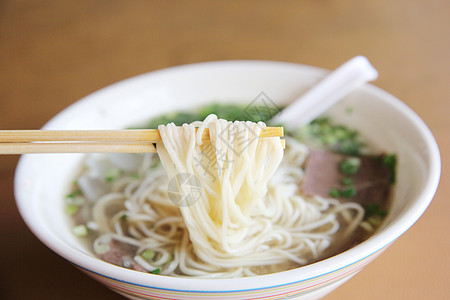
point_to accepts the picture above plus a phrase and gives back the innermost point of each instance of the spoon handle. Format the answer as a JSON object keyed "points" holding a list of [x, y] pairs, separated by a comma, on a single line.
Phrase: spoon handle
{"points": [[332, 88]]}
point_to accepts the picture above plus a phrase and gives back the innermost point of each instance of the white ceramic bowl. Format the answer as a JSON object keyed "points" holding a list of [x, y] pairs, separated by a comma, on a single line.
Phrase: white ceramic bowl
{"points": [[42, 180]]}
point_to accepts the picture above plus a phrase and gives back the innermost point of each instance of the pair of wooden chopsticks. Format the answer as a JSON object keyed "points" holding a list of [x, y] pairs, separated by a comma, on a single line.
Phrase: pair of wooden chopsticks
{"points": [[91, 141]]}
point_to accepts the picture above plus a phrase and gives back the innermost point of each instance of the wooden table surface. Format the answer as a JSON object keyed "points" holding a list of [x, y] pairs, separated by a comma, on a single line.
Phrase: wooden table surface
{"points": [[55, 52]]}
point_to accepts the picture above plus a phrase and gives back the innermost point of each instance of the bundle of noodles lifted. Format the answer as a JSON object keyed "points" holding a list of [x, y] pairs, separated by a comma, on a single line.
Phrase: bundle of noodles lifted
{"points": [[229, 206], [230, 224]]}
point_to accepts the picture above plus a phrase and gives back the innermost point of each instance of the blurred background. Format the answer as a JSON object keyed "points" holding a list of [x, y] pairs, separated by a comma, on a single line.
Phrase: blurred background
{"points": [[52, 53]]}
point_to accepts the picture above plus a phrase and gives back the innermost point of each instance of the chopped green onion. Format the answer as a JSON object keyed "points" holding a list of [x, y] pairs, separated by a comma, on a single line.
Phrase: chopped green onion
{"points": [[91, 225], [375, 220], [111, 174], [148, 255], [101, 248], [348, 147], [230, 112], [348, 192], [347, 181], [124, 217], [390, 161], [366, 226], [374, 215], [71, 209], [341, 133], [337, 138], [334, 193], [178, 118], [102, 244], [350, 166], [74, 194], [329, 139], [373, 209], [80, 230], [156, 271], [77, 200]]}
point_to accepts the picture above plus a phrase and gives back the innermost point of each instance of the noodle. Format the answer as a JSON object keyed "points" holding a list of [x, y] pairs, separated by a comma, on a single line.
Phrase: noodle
{"points": [[238, 212]]}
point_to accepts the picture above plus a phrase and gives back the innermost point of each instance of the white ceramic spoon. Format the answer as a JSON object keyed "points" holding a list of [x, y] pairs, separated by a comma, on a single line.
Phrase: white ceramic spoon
{"points": [[332, 88]]}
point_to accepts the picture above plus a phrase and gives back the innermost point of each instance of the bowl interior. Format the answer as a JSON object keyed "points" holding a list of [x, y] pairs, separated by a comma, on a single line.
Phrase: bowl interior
{"points": [[42, 180]]}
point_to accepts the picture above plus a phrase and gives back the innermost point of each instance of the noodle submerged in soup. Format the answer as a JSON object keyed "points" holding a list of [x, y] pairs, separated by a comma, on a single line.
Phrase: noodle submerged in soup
{"points": [[237, 206]]}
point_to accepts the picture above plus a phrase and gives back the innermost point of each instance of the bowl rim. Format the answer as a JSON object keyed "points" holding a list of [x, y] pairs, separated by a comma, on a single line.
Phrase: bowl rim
{"points": [[373, 245]]}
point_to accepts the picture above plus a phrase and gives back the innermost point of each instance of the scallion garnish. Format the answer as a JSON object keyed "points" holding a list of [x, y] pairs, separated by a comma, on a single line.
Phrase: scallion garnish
{"points": [[348, 192], [373, 209], [375, 220], [148, 255], [335, 193], [334, 137], [80, 230], [390, 161], [74, 193], [350, 166], [347, 181], [111, 174], [71, 209]]}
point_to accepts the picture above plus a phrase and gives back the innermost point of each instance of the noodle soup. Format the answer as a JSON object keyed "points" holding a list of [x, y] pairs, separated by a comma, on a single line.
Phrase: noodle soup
{"points": [[274, 211]]}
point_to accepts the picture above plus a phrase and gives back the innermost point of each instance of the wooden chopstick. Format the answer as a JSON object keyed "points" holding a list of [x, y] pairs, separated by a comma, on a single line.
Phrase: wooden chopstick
{"points": [[91, 141], [131, 135], [24, 148]]}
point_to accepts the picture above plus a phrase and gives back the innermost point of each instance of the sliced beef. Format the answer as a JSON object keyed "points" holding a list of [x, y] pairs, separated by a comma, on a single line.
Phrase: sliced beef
{"points": [[121, 254], [371, 181]]}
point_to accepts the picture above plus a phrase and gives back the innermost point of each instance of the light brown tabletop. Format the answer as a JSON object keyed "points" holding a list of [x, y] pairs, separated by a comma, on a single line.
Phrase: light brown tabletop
{"points": [[54, 52]]}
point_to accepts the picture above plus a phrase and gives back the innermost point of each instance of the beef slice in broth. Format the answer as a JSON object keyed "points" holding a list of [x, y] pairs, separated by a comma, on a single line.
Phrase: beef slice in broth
{"points": [[121, 254], [371, 181]]}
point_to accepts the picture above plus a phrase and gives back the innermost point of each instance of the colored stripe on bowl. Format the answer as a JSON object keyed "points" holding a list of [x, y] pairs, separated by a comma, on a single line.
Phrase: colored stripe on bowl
{"points": [[284, 291]]}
